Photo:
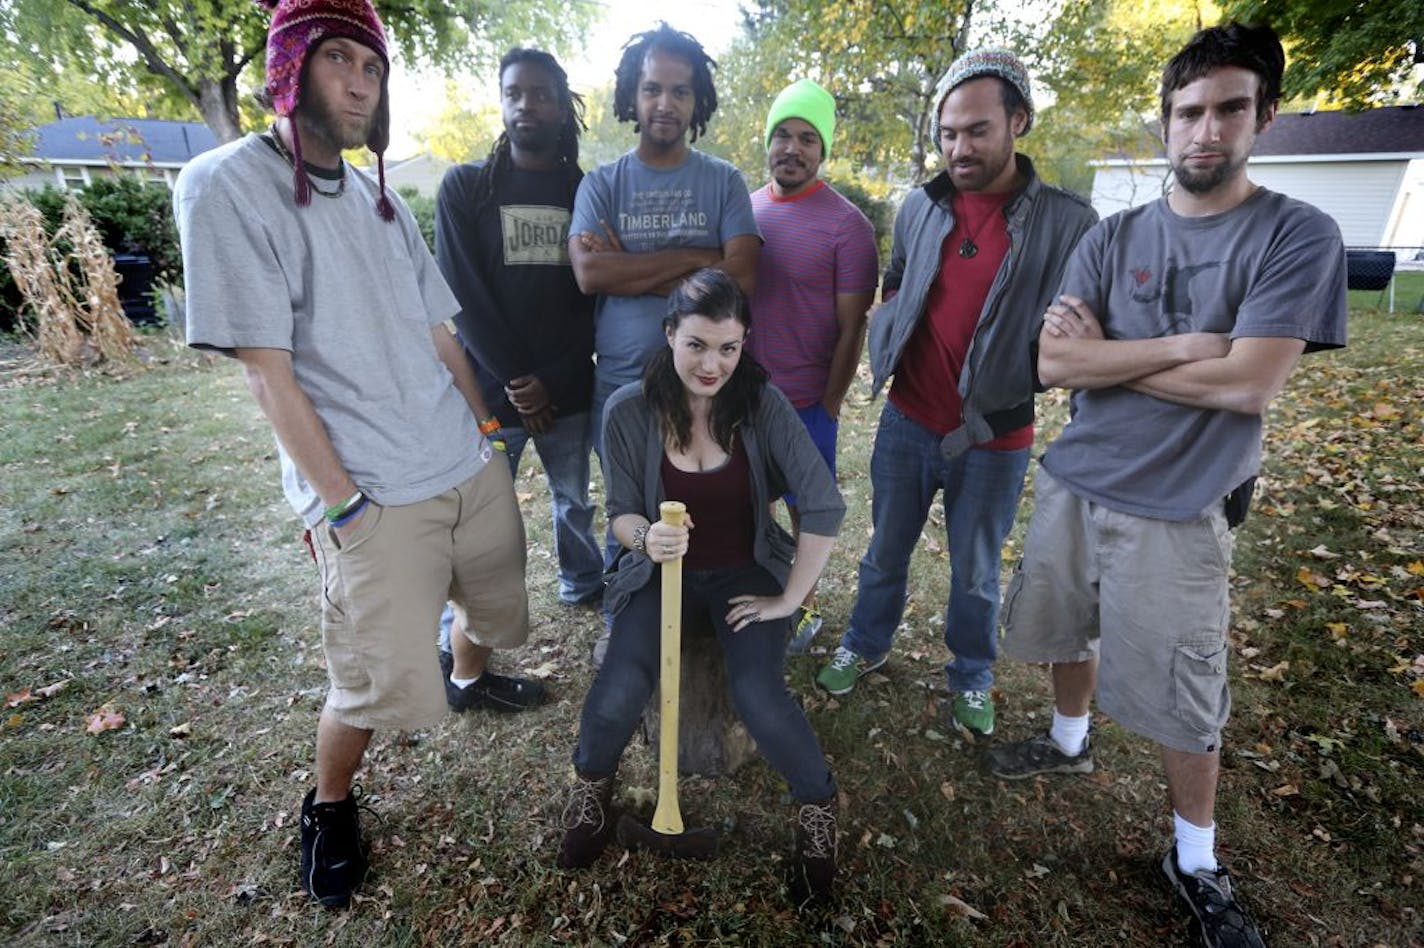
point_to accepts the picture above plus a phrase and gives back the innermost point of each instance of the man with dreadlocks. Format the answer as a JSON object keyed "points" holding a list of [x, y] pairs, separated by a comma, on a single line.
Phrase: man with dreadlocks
{"points": [[660, 212], [501, 239], [319, 283]]}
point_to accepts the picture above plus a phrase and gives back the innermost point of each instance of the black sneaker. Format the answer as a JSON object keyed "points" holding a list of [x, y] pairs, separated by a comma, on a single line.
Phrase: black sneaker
{"points": [[1038, 755], [334, 859], [813, 870], [587, 821], [447, 665], [495, 692], [1221, 919]]}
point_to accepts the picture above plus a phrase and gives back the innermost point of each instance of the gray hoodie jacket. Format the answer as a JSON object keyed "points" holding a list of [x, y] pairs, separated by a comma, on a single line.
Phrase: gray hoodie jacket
{"points": [[998, 380]]}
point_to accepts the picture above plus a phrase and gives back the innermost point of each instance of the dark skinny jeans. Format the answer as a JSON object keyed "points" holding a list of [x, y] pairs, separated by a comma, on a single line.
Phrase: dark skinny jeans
{"points": [[754, 657]]}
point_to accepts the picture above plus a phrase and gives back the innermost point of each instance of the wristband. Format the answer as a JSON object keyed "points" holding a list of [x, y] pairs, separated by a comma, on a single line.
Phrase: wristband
{"points": [[337, 511], [640, 537], [350, 515], [489, 426]]}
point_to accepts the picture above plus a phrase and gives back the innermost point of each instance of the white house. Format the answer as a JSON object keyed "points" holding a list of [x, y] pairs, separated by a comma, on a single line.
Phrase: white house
{"points": [[1364, 169], [73, 151]]}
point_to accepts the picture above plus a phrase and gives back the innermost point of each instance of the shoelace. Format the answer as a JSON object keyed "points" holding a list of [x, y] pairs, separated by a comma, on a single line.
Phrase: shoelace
{"points": [[975, 699], [584, 807], [819, 822], [844, 659]]}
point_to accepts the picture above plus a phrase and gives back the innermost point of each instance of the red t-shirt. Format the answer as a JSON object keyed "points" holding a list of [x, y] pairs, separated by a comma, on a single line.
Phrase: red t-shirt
{"points": [[926, 385], [720, 504]]}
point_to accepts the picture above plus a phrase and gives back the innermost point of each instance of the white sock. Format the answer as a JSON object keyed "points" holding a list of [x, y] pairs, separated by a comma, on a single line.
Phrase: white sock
{"points": [[1069, 733], [1196, 845], [463, 682]]}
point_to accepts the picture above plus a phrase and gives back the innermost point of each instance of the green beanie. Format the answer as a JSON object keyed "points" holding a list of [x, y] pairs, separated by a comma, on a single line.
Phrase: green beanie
{"points": [[805, 100]]}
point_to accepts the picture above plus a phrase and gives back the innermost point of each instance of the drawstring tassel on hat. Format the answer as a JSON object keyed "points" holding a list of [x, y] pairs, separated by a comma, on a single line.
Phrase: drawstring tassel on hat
{"points": [[384, 207], [300, 182]]}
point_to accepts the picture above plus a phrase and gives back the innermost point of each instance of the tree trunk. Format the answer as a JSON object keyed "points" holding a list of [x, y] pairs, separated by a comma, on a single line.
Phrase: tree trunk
{"points": [[217, 100], [711, 739]]}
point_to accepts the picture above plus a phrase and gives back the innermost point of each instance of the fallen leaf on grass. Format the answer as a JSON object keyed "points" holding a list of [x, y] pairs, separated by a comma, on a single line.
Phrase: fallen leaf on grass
{"points": [[1321, 553], [182, 730], [16, 698], [1286, 790], [104, 719], [1418, 687], [1309, 577], [961, 909], [1276, 672], [49, 691]]}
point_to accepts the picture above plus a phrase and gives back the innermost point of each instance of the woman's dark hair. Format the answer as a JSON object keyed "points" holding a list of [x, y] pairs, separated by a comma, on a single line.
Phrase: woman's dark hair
{"points": [[713, 295], [1254, 48], [679, 44], [571, 102]]}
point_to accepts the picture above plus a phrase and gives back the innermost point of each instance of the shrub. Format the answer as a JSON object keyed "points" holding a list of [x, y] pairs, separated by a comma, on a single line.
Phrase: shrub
{"points": [[424, 210], [132, 217]]}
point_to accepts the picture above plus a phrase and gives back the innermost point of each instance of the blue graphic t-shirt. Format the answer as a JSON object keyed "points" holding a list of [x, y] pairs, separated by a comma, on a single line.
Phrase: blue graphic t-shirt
{"points": [[701, 203]]}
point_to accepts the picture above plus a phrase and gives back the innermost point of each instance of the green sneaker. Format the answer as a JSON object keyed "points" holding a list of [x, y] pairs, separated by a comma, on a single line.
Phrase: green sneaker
{"points": [[974, 711], [846, 668]]}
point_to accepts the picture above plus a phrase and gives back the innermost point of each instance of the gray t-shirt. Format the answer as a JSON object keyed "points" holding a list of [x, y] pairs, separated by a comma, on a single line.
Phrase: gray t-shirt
{"points": [[352, 297], [701, 203], [1270, 267]]}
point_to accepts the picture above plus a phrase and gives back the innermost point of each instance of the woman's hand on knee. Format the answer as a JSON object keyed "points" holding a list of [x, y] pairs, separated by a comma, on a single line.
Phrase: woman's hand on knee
{"points": [[747, 610]]}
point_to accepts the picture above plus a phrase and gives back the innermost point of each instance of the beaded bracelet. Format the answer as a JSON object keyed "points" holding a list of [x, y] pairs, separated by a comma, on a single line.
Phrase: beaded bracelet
{"points": [[489, 426]]}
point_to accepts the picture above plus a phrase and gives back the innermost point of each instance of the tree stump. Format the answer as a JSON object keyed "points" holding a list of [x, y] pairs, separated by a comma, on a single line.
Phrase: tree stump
{"points": [[711, 739]]}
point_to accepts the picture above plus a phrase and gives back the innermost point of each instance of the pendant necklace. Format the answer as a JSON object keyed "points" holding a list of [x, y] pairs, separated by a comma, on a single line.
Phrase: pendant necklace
{"points": [[969, 248], [282, 150]]}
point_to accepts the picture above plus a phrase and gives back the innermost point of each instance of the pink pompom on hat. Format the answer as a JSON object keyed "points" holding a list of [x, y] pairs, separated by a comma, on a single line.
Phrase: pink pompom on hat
{"points": [[297, 27]]}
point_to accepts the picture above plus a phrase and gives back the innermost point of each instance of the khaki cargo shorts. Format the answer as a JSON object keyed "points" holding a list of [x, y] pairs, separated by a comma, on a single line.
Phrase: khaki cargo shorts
{"points": [[1148, 597], [382, 591]]}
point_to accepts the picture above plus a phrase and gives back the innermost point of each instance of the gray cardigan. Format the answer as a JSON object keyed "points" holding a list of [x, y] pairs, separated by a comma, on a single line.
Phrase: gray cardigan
{"points": [[998, 379], [782, 458]]}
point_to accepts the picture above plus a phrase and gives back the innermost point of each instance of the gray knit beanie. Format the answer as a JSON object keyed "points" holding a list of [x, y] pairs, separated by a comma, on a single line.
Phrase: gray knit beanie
{"points": [[989, 61]]}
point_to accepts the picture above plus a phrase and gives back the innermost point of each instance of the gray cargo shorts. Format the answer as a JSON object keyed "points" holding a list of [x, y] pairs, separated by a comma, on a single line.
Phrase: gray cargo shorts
{"points": [[1148, 597]]}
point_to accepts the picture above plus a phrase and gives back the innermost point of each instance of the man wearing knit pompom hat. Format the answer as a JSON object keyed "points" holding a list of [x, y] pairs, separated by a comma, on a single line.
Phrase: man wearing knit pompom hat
{"points": [[978, 252], [320, 284], [815, 281]]}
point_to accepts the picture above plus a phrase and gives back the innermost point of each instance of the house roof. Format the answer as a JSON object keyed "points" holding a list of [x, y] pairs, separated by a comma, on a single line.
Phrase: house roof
{"points": [[1393, 129], [85, 139]]}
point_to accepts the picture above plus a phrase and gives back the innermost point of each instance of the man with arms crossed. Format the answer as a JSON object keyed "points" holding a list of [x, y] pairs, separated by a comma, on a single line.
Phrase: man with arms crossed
{"points": [[978, 253], [337, 312], [659, 212], [1179, 322], [814, 283]]}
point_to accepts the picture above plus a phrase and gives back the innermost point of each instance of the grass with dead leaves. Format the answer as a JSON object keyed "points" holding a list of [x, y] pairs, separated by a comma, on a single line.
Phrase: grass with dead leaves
{"points": [[163, 674]]}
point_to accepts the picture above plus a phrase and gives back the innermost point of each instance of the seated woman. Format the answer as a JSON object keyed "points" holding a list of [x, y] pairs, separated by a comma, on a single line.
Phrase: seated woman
{"points": [[704, 427]]}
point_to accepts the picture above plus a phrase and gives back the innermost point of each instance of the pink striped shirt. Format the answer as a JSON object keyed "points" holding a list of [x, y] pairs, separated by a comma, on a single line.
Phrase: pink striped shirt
{"points": [[816, 245]]}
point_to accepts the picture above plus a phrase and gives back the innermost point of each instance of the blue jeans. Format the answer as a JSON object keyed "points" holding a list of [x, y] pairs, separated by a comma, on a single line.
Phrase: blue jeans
{"points": [[981, 492], [563, 449], [754, 658]]}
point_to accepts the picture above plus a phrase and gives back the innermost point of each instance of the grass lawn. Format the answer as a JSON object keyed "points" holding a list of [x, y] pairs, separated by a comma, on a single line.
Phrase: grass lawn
{"points": [[155, 590]]}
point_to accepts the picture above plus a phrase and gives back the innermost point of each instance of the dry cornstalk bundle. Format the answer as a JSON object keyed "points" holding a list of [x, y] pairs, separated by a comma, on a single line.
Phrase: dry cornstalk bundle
{"points": [[31, 263], [98, 312]]}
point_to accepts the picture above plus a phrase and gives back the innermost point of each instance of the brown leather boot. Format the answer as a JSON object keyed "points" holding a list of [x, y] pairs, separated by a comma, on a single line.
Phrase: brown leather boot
{"points": [[588, 821]]}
